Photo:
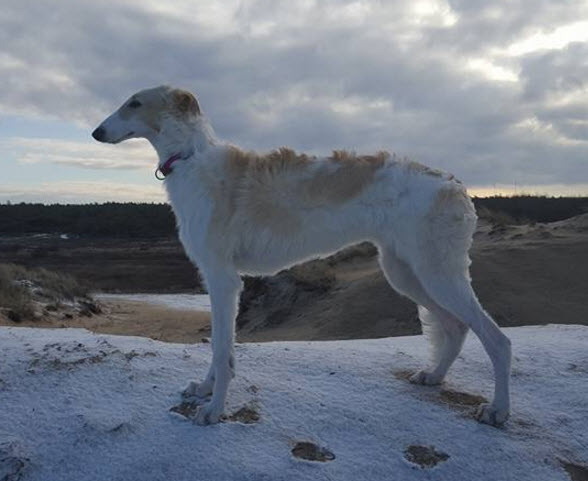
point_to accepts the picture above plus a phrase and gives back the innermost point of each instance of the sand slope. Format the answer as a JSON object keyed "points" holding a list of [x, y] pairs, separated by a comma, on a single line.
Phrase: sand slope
{"points": [[524, 275]]}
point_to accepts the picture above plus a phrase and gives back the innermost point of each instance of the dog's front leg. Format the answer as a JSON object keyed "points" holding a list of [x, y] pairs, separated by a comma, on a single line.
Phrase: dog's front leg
{"points": [[224, 286]]}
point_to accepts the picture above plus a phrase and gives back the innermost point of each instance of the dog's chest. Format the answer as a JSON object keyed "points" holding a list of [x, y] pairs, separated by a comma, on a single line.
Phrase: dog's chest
{"points": [[192, 210]]}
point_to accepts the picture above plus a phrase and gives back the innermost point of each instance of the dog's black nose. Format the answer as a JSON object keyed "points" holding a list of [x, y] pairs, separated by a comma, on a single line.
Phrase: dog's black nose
{"points": [[99, 134]]}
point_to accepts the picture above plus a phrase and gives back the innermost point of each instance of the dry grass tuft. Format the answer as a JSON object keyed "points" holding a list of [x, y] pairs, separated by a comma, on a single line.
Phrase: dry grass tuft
{"points": [[497, 218], [15, 298], [19, 286]]}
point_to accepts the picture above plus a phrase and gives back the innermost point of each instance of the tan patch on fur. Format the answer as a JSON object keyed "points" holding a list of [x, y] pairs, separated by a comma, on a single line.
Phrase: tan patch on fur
{"points": [[258, 188], [453, 202], [272, 190], [455, 193], [157, 102], [348, 180], [275, 162], [346, 157], [185, 103], [423, 169], [426, 170]]}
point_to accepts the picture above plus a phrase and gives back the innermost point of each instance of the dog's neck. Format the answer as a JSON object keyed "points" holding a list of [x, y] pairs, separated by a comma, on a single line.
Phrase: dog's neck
{"points": [[183, 137]]}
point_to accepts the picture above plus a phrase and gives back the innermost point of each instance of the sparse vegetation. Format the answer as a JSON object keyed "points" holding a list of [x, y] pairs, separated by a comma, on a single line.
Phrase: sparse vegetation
{"points": [[20, 286], [497, 218], [14, 297]]}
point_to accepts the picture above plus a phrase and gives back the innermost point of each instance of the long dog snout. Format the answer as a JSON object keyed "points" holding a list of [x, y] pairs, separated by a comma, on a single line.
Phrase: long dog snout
{"points": [[99, 134]]}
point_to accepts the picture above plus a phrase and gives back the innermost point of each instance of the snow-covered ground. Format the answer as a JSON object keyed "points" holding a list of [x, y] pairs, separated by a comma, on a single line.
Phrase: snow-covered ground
{"points": [[81, 406], [196, 302]]}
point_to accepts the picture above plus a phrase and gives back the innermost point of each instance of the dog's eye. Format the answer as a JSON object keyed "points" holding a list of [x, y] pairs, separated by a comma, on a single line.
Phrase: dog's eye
{"points": [[134, 104]]}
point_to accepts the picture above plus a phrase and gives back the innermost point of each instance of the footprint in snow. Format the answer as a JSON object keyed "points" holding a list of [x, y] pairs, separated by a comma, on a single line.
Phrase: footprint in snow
{"points": [[245, 415], [312, 452], [424, 456]]}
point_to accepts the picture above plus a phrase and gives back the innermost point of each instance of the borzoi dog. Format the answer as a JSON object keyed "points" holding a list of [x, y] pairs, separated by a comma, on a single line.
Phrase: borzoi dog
{"points": [[240, 212]]}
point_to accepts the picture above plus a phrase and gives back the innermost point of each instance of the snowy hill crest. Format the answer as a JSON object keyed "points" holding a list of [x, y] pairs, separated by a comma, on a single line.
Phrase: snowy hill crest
{"points": [[80, 406]]}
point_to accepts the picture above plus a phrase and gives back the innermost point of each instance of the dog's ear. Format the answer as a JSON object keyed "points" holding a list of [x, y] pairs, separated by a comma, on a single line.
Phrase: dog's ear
{"points": [[185, 102]]}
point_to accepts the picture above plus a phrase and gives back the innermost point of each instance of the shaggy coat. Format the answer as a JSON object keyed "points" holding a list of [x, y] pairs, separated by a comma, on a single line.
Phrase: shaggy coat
{"points": [[241, 212]]}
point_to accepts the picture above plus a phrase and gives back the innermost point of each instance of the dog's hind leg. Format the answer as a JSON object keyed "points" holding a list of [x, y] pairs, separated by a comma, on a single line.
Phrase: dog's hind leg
{"points": [[445, 333], [224, 285], [458, 297], [441, 263]]}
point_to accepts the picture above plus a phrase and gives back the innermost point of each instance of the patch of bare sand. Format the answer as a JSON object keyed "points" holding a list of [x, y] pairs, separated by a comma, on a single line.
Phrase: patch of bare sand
{"points": [[129, 318], [523, 274]]}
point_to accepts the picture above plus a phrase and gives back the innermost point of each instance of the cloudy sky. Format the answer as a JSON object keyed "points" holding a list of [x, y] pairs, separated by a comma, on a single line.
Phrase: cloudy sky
{"points": [[494, 91]]}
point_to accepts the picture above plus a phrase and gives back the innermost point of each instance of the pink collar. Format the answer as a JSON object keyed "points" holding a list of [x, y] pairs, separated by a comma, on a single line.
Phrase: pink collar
{"points": [[166, 168]]}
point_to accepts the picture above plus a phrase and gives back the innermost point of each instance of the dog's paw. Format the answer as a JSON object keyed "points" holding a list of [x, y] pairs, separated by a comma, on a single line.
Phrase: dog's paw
{"points": [[489, 414], [196, 389], [425, 378], [209, 414]]}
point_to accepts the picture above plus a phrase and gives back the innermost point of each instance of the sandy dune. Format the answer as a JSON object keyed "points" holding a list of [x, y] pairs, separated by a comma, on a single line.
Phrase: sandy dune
{"points": [[524, 275]]}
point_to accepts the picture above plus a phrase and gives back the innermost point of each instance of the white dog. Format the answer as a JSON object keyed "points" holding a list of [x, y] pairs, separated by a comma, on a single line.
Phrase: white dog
{"points": [[240, 212]]}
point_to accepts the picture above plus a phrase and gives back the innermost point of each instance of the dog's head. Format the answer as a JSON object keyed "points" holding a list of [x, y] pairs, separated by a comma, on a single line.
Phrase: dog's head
{"points": [[144, 114]]}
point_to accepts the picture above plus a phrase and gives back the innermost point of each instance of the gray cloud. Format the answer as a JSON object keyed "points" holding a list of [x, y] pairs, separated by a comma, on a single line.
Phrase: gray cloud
{"points": [[318, 76], [556, 72]]}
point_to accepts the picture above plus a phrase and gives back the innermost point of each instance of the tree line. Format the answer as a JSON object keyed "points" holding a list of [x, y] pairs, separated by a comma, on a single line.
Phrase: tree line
{"points": [[144, 220], [112, 219]]}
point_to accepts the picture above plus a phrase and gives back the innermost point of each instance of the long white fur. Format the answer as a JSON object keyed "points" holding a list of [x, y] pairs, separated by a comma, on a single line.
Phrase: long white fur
{"points": [[421, 220]]}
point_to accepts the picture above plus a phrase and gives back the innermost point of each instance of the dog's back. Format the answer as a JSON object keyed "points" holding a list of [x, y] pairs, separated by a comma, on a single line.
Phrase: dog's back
{"points": [[281, 208]]}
